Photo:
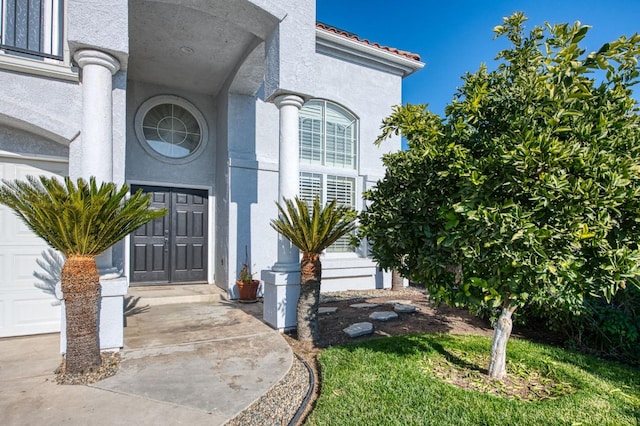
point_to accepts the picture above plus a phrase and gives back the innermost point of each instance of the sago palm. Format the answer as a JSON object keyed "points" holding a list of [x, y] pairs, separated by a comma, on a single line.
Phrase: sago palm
{"points": [[312, 232], [81, 221]]}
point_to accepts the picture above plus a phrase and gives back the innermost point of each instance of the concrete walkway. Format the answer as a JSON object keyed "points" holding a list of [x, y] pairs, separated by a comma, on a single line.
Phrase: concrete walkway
{"points": [[191, 363]]}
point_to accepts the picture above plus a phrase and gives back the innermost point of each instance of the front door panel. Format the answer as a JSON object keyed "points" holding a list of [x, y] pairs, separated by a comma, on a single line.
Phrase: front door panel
{"points": [[149, 243], [189, 220], [172, 248]]}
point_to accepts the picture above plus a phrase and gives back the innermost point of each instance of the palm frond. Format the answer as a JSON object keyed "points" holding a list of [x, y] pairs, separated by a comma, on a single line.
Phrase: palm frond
{"points": [[313, 232], [77, 219]]}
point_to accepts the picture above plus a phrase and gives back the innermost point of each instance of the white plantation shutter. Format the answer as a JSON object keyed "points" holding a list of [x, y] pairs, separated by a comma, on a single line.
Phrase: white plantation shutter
{"points": [[311, 133], [327, 135], [310, 187], [328, 140], [340, 137], [342, 189]]}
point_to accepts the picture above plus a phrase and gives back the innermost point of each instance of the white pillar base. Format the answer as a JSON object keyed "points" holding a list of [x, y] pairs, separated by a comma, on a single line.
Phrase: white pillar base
{"points": [[281, 292], [110, 315]]}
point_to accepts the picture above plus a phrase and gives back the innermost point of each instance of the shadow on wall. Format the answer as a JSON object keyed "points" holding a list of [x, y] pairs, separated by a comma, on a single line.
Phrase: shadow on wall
{"points": [[243, 182], [51, 263]]}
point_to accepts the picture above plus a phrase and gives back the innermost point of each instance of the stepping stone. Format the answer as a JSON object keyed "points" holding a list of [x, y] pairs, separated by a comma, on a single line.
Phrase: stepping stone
{"points": [[364, 305], [359, 329], [327, 310], [398, 302], [405, 309], [383, 316]]}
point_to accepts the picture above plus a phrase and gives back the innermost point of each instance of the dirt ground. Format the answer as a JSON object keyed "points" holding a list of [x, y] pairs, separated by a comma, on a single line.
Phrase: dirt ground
{"points": [[426, 319]]}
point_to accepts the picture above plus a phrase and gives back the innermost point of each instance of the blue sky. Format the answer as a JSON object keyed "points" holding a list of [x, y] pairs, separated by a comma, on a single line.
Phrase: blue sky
{"points": [[456, 36]]}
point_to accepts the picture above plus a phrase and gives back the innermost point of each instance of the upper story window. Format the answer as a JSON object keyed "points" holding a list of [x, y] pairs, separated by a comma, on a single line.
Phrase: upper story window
{"points": [[328, 158], [32, 27], [328, 135]]}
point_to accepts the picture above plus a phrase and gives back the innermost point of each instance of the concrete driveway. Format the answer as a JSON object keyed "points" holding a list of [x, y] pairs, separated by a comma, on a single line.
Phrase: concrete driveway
{"points": [[189, 363]]}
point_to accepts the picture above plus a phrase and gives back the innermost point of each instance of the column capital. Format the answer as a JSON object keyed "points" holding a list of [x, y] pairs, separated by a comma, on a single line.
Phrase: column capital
{"points": [[96, 57], [289, 100]]}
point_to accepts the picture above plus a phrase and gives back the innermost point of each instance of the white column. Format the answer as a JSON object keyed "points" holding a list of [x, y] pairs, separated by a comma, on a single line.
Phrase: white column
{"points": [[98, 69], [96, 147], [282, 282], [289, 172]]}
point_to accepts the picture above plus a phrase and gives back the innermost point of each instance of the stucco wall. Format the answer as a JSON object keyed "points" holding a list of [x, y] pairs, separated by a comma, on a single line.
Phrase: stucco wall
{"points": [[119, 108], [253, 143], [253, 184], [221, 262], [368, 93], [142, 168], [44, 106], [102, 25], [16, 141], [290, 51]]}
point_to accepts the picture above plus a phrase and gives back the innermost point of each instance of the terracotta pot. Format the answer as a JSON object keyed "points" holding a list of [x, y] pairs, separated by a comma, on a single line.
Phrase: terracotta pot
{"points": [[248, 291]]}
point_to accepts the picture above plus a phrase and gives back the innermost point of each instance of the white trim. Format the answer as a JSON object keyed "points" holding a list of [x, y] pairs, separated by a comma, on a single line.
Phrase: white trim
{"points": [[315, 168], [176, 100], [240, 163], [54, 69], [176, 185], [359, 49], [33, 157], [324, 104], [211, 240]]}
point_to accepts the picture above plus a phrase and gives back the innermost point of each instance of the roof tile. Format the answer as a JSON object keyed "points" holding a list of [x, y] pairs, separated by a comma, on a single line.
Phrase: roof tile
{"points": [[352, 36]]}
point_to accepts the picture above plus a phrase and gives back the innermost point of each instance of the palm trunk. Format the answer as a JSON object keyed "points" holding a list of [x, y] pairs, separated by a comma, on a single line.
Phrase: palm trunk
{"points": [[307, 308], [501, 333], [81, 292], [397, 283]]}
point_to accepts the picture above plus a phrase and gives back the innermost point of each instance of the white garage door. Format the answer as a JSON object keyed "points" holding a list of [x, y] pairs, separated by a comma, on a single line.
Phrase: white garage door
{"points": [[24, 308]]}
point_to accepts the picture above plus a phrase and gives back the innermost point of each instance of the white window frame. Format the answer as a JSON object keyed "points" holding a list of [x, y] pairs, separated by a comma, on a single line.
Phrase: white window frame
{"points": [[325, 105], [151, 103], [325, 172]]}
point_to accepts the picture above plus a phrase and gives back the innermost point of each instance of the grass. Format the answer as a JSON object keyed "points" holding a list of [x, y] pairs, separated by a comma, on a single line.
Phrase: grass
{"points": [[399, 381]]}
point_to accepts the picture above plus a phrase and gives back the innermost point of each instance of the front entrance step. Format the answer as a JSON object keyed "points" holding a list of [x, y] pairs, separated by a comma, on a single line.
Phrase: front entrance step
{"points": [[171, 294]]}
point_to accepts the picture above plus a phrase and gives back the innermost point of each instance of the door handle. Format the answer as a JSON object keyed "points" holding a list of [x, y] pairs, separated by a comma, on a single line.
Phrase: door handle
{"points": [[166, 245]]}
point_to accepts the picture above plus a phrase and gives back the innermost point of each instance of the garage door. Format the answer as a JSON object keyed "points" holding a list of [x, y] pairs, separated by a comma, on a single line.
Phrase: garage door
{"points": [[24, 308]]}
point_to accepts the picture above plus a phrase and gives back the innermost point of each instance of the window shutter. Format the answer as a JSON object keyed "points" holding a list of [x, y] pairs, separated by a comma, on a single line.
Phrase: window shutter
{"points": [[310, 187], [311, 133], [342, 189], [328, 137], [340, 138]]}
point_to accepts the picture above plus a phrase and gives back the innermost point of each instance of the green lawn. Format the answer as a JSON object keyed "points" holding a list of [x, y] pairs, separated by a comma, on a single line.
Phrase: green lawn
{"points": [[392, 382]]}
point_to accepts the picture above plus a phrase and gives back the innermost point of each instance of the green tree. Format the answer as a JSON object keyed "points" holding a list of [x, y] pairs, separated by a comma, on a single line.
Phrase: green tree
{"points": [[81, 221], [527, 191], [312, 229]]}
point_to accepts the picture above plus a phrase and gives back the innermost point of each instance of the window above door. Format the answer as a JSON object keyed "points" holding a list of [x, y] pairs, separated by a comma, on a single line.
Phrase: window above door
{"points": [[171, 129]]}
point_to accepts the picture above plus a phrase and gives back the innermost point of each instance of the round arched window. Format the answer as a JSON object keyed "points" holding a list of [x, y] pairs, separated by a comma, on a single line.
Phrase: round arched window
{"points": [[170, 128]]}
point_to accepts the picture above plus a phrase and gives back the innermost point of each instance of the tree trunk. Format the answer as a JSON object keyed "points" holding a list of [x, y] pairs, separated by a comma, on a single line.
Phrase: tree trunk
{"points": [[81, 292], [307, 308], [501, 332], [397, 282]]}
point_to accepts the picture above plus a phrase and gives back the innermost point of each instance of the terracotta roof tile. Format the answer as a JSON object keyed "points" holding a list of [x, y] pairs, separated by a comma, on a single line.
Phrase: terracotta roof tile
{"points": [[352, 36]]}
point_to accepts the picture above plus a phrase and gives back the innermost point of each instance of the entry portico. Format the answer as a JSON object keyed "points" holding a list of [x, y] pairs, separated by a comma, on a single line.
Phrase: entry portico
{"points": [[217, 109]]}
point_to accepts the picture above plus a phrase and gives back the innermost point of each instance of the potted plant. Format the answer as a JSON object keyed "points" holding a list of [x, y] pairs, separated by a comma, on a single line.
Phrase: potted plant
{"points": [[247, 286]]}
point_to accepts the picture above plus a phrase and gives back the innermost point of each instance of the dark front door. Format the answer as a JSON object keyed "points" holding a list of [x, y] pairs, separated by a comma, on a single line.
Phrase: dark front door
{"points": [[172, 248]]}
